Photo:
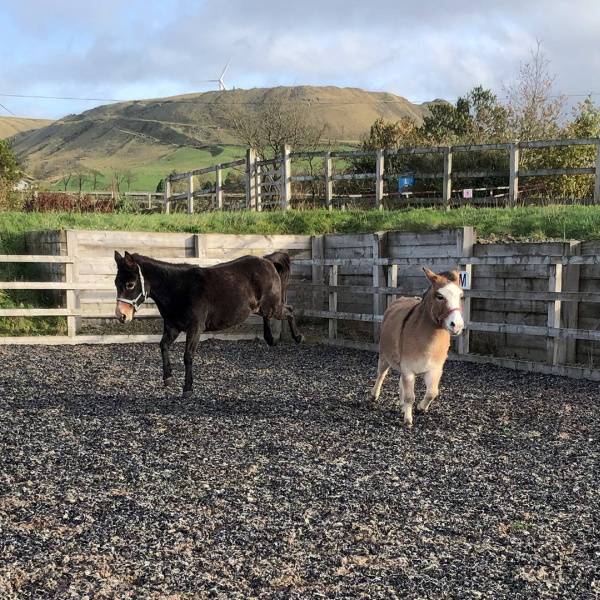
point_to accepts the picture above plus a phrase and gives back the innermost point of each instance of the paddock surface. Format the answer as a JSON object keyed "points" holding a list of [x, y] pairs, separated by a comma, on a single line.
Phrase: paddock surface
{"points": [[276, 481]]}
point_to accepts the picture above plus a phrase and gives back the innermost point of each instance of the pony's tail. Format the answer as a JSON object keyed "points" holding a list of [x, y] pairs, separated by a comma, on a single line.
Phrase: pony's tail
{"points": [[281, 260]]}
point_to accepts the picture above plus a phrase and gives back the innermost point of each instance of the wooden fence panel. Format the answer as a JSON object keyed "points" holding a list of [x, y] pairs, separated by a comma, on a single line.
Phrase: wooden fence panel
{"points": [[517, 314]]}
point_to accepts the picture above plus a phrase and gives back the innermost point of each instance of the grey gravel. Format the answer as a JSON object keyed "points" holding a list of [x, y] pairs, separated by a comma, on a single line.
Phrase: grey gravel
{"points": [[277, 481]]}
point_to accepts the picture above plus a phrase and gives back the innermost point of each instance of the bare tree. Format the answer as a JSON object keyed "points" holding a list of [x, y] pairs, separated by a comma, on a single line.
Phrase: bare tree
{"points": [[277, 121], [118, 178], [81, 175], [67, 169], [96, 176], [534, 107], [129, 177]]}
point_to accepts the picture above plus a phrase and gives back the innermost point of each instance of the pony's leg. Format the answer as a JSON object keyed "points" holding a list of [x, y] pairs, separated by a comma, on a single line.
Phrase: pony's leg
{"points": [[432, 381], [383, 366], [407, 396], [169, 336], [267, 333], [191, 345], [288, 313]]}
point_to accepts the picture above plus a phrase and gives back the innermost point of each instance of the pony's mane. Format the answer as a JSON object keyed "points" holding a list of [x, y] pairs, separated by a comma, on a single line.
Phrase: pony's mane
{"points": [[449, 275], [161, 263]]}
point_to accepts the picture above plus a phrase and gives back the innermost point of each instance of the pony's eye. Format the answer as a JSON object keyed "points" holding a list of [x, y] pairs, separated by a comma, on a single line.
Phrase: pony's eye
{"points": [[130, 285], [439, 297]]}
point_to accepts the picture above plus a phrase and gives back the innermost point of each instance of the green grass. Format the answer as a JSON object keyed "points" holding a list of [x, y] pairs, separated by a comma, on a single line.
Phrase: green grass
{"points": [[532, 223]]}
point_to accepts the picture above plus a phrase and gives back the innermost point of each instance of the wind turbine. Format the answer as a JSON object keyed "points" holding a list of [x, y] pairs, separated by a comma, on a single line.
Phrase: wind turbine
{"points": [[220, 81]]}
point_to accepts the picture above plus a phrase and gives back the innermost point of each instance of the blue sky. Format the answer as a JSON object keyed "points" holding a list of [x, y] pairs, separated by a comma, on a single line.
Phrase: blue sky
{"points": [[137, 49]]}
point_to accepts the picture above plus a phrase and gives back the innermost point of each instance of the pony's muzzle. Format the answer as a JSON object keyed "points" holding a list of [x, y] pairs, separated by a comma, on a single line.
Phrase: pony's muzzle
{"points": [[455, 326], [454, 323], [124, 312]]}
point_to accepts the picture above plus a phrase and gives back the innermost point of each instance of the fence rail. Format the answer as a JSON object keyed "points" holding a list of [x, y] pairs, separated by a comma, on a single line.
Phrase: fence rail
{"points": [[277, 173]]}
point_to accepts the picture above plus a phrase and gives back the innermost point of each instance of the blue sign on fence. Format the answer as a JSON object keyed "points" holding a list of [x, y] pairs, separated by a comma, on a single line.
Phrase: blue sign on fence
{"points": [[405, 184]]}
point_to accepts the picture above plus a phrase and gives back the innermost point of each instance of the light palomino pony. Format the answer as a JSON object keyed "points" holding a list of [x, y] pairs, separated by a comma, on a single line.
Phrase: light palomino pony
{"points": [[415, 338]]}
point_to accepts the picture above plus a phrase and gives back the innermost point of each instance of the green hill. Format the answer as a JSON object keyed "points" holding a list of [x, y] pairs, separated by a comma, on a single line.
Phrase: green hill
{"points": [[132, 135]]}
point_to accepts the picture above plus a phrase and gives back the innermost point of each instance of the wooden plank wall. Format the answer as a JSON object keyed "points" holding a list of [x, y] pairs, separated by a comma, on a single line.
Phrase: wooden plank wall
{"points": [[96, 249], [530, 278], [95, 264]]}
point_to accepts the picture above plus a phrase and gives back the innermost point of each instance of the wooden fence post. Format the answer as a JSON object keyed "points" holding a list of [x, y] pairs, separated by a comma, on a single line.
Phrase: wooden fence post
{"points": [[379, 251], [190, 193], [597, 176], [554, 306], [149, 201], [258, 181], [199, 246], [317, 251], [286, 173], [569, 313], [73, 300], [465, 242], [447, 185], [218, 188], [333, 300], [328, 181], [392, 281], [250, 181], [513, 183], [167, 208], [379, 172]]}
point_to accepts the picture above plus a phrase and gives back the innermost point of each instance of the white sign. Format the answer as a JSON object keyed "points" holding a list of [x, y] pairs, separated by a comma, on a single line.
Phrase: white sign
{"points": [[464, 279], [468, 193]]}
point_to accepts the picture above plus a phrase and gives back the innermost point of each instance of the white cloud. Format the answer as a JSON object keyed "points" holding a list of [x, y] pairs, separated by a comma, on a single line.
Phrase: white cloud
{"points": [[418, 50]]}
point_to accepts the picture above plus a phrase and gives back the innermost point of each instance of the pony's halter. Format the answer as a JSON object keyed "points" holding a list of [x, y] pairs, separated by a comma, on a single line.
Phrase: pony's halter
{"points": [[440, 320], [136, 303]]}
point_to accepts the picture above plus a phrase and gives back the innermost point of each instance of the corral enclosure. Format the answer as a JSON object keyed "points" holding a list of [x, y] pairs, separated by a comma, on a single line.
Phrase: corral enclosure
{"points": [[533, 302]]}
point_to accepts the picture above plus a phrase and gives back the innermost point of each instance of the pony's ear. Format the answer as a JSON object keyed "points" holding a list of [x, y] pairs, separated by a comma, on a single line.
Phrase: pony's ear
{"points": [[455, 273], [430, 275], [118, 257], [129, 261]]}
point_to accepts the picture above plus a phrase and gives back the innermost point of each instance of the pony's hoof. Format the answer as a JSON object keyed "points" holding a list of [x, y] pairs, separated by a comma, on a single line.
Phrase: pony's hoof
{"points": [[299, 339], [408, 424], [168, 381], [187, 394]]}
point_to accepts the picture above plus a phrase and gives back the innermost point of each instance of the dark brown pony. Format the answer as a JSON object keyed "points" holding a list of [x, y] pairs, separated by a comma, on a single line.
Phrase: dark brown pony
{"points": [[195, 299]]}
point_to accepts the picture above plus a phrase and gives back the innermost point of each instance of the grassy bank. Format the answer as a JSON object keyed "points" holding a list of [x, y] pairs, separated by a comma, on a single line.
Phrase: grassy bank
{"points": [[533, 223]]}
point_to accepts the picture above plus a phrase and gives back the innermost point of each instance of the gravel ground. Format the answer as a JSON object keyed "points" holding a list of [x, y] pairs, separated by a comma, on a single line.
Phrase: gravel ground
{"points": [[276, 481]]}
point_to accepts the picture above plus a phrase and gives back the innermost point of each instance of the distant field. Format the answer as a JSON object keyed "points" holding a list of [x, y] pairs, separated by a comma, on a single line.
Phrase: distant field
{"points": [[182, 161]]}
